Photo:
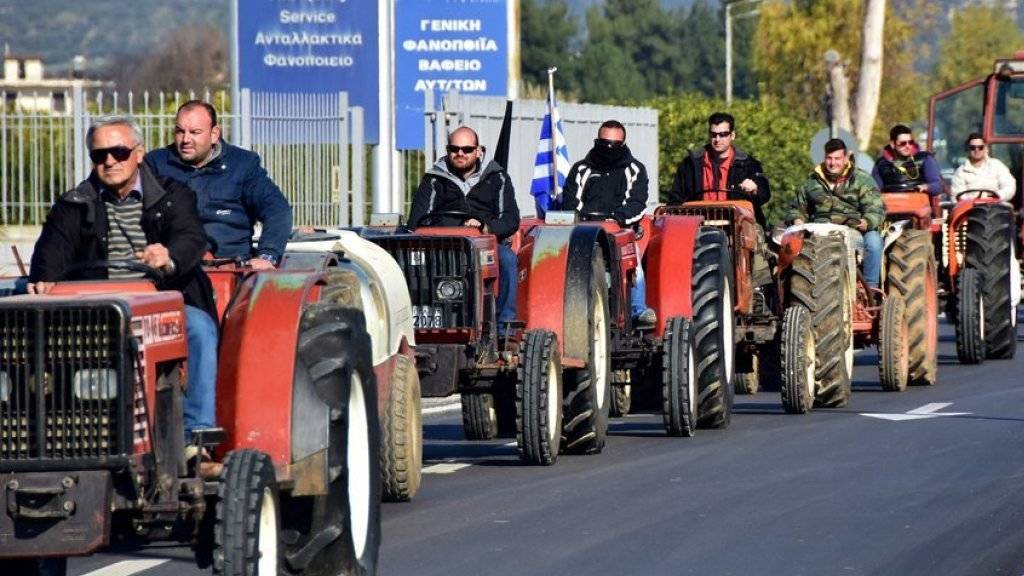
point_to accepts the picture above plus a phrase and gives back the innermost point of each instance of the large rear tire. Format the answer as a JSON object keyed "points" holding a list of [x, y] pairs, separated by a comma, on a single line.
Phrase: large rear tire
{"points": [[894, 345], [588, 390], [990, 251], [338, 532], [970, 318], [539, 399], [798, 361], [713, 327], [679, 379], [911, 274], [401, 455]]}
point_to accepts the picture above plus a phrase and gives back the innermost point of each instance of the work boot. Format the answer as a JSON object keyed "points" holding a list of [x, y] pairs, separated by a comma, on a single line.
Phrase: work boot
{"points": [[646, 319]]}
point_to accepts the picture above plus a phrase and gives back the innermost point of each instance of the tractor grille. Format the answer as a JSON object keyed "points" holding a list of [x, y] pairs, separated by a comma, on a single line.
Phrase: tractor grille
{"points": [[961, 243], [441, 274], [63, 384], [717, 216]]}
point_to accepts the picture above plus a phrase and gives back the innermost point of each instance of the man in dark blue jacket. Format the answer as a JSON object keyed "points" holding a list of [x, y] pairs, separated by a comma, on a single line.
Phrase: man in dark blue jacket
{"points": [[232, 189]]}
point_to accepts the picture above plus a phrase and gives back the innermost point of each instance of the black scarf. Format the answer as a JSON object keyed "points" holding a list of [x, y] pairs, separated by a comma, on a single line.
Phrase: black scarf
{"points": [[605, 159]]}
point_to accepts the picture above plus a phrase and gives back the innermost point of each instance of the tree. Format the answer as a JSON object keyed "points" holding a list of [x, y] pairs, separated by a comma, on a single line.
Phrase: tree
{"points": [[193, 56], [792, 40], [548, 31], [869, 86], [977, 36]]}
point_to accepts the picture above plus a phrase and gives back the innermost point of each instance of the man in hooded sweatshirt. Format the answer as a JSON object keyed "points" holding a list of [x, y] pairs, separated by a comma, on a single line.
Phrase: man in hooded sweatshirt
{"points": [[838, 192], [610, 181], [904, 165], [461, 182]]}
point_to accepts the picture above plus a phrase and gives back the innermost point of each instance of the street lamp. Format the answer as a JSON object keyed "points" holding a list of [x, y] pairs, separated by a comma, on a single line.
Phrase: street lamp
{"points": [[728, 41]]}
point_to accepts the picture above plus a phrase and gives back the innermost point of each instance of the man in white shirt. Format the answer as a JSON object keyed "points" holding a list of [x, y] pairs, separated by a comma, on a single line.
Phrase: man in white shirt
{"points": [[981, 172]]}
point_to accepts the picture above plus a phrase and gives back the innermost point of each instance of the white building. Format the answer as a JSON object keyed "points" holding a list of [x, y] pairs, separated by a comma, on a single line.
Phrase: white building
{"points": [[25, 88]]}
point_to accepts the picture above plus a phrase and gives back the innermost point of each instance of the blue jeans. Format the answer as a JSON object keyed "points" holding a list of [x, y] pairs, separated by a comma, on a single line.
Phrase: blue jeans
{"points": [[638, 293], [200, 398], [872, 258], [508, 266]]}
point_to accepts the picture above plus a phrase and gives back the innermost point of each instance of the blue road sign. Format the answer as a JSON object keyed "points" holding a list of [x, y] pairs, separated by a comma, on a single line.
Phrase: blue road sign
{"points": [[311, 46], [442, 45]]}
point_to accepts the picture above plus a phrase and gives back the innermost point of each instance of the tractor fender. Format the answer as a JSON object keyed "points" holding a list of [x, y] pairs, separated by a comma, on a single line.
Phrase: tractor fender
{"points": [[892, 234], [259, 336], [668, 265], [958, 218]]}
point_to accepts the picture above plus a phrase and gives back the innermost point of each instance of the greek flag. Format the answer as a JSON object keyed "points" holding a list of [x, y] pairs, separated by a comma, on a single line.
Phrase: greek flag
{"points": [[551, 167]]}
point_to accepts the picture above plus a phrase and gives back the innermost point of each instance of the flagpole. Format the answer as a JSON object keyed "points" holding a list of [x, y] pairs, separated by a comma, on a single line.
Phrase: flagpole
{"points": [[554, 142]]}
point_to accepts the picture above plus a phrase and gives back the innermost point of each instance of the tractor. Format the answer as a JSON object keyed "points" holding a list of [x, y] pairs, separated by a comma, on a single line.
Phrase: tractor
{"points": [[375, 282], [92, 448], [980, 244], [542, 377], [686, 360]]}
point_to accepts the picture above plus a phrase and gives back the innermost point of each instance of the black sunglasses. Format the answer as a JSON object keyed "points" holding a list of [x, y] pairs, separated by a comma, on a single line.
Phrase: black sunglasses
{"points": [[724, 134], [453, 149], [975, 147], [904, 143], [608, 143], [120, 153]]}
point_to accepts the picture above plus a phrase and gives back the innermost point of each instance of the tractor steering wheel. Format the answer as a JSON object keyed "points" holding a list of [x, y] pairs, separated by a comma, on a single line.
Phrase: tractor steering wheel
{"points": [[730, 194], [903, 187], [434, 218], [597, 217], [128, 265], [980, 194]]}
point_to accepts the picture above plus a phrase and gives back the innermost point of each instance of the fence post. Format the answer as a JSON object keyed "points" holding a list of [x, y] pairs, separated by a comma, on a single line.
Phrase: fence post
{"points": [[358, 168], [343, 156], [245, 119], [78, 130], [429, 126]]}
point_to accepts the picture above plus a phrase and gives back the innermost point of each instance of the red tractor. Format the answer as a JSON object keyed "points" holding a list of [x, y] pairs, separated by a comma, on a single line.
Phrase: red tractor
{"points": [[91, 432], [981, 241], [686, 360]]}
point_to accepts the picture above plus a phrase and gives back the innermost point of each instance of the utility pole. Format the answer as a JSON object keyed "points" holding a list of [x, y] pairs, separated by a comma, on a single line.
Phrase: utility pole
{"points": [[728, 41]]}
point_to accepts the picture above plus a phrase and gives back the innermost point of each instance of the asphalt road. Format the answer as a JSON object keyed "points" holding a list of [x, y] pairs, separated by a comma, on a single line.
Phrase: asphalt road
{"points": [[832, 492]]}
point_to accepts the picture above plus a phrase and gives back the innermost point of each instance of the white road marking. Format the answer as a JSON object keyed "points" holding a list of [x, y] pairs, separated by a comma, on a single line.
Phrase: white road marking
{"points": [[126, 568], [924, 412], [511, 444], [445, 468], [442, 409]]}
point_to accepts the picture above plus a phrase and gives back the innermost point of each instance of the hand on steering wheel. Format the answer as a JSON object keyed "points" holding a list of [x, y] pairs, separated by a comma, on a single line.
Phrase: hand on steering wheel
{"points": [[435, 218], [979, 193]]}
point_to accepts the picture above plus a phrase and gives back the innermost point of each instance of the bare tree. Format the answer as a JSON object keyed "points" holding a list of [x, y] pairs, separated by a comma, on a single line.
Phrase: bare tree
{"points": [[839, 92], [869, 87], [193, 56]]}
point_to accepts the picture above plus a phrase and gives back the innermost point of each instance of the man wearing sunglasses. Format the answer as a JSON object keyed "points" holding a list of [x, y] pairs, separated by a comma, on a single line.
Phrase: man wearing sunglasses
{"points": [[609, 180], [232, 189], [123, 211], [903, 165], [979, 171], [462, 182]]}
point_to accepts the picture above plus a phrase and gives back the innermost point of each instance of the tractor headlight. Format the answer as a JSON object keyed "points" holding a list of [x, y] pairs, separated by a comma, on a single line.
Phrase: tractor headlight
{"points": [[5, 387], [450, 290], [95, 384]]}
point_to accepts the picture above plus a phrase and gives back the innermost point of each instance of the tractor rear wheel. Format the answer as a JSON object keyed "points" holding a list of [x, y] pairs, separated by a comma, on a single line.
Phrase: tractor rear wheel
{"points": [[798, 361], [401, 455], [679, 379], [990, 251], [539, 399], [912, 276], [588, 390], [247, 535], [338, 532], [893, 345], [713, 327], [970, 318], [479, 416], [747, 379], [34, 567], [817, 281]]}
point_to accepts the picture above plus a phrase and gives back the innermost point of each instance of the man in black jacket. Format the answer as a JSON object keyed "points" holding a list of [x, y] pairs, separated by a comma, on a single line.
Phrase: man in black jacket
{"points": [[124, 212], [610, 181], [721, 171], [460, 182]]}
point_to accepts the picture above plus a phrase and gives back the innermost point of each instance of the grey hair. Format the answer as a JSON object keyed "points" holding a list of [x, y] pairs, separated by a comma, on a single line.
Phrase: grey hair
{"points": [[114, 120]]}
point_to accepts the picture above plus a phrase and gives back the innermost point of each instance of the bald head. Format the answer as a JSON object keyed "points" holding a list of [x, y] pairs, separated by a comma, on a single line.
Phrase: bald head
{"points": [[461, 134]]}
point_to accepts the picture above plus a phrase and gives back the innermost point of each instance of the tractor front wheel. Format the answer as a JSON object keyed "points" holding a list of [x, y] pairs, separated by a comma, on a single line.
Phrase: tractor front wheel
{"points": [[539, 399], [401, 455], [893, 348], [247, 534], [679, 379], [798, 360], [970, 318]]}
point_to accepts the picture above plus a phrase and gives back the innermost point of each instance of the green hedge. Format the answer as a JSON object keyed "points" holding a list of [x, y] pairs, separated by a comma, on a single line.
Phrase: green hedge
{"points": [[776, 137]]}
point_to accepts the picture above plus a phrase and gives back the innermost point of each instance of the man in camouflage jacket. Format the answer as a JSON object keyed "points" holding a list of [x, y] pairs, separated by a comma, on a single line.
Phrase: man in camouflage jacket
{"points": [[838, 192]]}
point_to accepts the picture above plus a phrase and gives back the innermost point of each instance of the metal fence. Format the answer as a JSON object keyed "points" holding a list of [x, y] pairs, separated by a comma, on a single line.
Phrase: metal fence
{"points": [[312, 145], [581, 122]]}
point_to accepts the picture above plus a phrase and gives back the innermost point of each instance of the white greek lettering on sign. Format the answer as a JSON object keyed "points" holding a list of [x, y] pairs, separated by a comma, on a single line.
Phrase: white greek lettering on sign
{"points": [[308, 39], [307, 60], [318, 17], [482, 44], [423, 85], [428, 25], [459, 65]]}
